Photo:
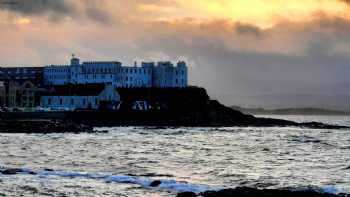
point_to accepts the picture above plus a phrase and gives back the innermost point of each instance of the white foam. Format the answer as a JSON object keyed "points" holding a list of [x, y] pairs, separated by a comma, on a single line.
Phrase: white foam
{"points": [[332, 189], [166, 184], [183, 187], [170, 185]]}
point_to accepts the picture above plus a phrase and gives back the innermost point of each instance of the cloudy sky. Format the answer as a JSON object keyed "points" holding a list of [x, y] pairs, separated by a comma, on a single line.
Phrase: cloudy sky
{"points": [[269, 53]]}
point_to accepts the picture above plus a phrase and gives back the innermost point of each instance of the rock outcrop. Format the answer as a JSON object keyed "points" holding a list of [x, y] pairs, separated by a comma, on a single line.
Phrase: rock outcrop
{"points": [[174, 107], [252, 192], [42, 126]]}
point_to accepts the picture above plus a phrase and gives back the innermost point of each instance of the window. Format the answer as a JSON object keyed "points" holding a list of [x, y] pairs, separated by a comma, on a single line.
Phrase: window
{"points": [[72, 101], [49, 101], [61, 101], [84, 102]]}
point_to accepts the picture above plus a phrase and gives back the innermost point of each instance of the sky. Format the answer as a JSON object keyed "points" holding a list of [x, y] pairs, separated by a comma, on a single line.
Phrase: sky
{"points": [[252, 53]]}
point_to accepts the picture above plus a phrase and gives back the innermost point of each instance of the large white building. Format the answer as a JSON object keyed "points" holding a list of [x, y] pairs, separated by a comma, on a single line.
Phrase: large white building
{"points": [[148, 74]]}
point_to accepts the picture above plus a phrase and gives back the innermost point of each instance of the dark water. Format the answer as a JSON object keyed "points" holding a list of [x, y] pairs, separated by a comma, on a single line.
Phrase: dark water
{"points": [[124, 161]]}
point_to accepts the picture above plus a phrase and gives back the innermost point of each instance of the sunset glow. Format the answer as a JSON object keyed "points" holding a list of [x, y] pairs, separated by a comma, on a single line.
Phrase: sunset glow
{"points": [[258, 12], [23, 21], [242, 49]]}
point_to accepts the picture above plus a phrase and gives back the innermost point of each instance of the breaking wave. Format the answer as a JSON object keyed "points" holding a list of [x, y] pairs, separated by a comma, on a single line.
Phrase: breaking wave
{"points": [[164, 184]]}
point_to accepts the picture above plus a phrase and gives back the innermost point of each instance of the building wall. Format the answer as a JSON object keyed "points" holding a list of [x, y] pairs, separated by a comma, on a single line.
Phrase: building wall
{"points": [[136, 77], [22, 74], [2, 94], [24, 94], [109, 94], [68, 102], [57, 75], [97, 72]]}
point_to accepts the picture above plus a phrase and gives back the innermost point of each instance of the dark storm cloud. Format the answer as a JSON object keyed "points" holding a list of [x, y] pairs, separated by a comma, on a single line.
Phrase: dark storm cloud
{"points": [[312, 71], [345, 1], [248, 29], [37, 7], [56, 9]]}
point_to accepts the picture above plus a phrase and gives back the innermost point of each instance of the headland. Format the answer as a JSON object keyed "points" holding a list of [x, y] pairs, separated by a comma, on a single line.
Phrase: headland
{"points": [[156, 107]]}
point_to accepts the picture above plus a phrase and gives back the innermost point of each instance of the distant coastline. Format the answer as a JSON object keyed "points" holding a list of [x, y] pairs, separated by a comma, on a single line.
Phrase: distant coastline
{"points": [[292, 111]]}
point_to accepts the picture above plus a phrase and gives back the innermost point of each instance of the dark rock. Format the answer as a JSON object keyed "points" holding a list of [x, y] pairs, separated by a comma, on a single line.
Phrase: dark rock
{"points": [[49, 169], [27, 188], [42, 126], [186, 194], [155, 183], [252, 192], [11, 171]]}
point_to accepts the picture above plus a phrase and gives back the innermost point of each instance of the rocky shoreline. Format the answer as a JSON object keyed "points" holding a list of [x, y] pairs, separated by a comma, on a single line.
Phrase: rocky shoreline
{"points": [[43, 126], [187, 107], [79, 126], [252, 192], [237, 192]]}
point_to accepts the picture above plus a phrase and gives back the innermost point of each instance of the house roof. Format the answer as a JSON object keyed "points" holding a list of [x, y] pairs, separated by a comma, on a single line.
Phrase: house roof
{"points": [[76, 90]]}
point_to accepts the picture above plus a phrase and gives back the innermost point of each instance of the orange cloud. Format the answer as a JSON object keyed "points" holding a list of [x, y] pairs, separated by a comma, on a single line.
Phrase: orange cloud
{"points": [[23, 21], [264, 13]]}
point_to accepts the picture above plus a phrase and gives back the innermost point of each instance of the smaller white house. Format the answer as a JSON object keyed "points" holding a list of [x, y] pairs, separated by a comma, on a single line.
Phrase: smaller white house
{"points": [[77, 96]]}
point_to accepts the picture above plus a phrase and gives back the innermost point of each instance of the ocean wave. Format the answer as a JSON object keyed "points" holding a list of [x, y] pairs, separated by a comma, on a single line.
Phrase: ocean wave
{"points": [[165, 184], [146, 182]]}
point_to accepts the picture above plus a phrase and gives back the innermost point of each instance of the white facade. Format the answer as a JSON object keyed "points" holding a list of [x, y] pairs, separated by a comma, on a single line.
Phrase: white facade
{"points": [[162, 75], [74, 101]]}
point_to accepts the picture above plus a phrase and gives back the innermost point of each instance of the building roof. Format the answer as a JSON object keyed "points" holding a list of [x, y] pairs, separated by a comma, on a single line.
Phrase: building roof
{"points": [[76, 90]]}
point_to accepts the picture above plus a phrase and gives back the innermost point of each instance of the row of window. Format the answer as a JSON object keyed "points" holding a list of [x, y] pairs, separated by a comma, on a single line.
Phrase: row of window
{"points": [[58, 70], [71, 102], [100, 70], [53, 77], [11, 77], [20, 72], [137, 71]]}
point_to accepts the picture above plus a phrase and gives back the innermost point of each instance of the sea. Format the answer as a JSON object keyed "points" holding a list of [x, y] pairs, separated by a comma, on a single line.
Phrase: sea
{"points": [[124, 161]]}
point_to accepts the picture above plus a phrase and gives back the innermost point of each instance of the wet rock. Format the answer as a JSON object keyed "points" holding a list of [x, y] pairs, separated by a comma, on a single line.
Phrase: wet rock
{"points": [[43, 126], [155, 183], [30, 189], [186, 194], [12, 171], [347, 168], [252, 192]]}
